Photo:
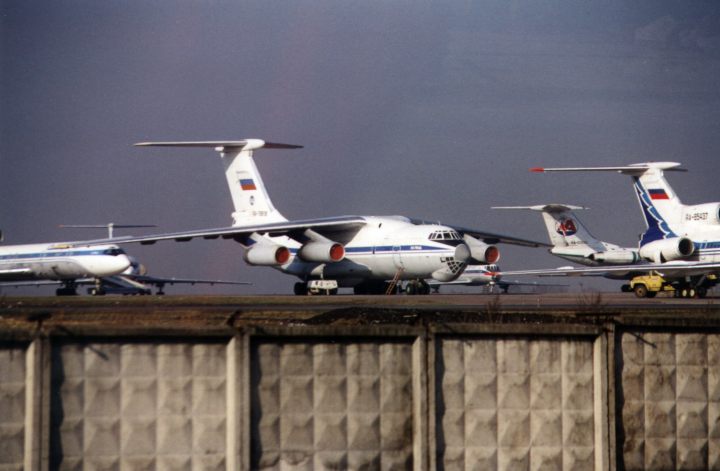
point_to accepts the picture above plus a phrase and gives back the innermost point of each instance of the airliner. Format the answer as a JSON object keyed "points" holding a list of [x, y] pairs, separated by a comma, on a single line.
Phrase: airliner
{"points": [[682, 242], [64, 262], [484, 275], [370, 254], [572, 240]]}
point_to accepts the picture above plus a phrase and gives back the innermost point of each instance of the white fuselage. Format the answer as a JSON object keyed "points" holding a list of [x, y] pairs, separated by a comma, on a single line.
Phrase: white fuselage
{"points": [[481, 275], [384, 249], [60, 262], [584, 254]]}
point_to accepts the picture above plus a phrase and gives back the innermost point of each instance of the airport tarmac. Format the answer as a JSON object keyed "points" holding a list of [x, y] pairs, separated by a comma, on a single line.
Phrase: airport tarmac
{"points": [[217, 313]]}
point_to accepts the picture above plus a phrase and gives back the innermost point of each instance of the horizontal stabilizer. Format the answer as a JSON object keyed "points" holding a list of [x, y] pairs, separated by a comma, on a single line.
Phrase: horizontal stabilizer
{"points": [[548, 208], [244, 144], [633, 169]]}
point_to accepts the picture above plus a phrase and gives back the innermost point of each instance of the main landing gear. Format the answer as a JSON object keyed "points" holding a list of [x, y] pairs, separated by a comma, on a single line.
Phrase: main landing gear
{"points": [[417, 287]]}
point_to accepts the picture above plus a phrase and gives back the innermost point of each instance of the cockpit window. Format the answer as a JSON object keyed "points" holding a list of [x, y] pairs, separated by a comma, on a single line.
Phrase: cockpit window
{"points": [[444, 235], [114, 252]]}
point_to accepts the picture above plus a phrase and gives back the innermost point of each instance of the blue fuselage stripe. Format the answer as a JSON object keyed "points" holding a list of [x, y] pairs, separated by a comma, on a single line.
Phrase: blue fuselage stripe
{"points": [[40, 255]]}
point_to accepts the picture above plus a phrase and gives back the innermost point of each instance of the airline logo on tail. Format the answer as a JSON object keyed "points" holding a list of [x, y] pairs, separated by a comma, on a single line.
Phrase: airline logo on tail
{"points": [[658, 194], [566, 227], [658, 228], [247, 184]]}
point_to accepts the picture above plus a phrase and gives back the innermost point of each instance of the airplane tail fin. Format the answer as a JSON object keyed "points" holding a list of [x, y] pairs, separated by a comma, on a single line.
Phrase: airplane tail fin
{"points": [[661, 207], [250, 198], [563, 226]]}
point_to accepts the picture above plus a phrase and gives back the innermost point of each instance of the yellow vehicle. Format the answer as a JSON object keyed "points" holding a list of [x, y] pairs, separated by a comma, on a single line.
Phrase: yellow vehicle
{"points": [[648, 286]]}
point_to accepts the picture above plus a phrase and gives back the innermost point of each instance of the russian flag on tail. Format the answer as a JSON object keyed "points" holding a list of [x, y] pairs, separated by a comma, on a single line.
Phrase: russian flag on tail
{"points": [[658, 194], [247, 184]]}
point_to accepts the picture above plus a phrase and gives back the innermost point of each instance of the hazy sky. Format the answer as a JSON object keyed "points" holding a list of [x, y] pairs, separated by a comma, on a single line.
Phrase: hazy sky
{"points": [[427, 109]]}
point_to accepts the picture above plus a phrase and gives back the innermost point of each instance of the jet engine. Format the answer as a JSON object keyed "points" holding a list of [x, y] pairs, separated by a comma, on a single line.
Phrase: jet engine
{"points": [[615, 256], [666, 250], [135, 268], [266, 255], [321, 252], [481, 252]]}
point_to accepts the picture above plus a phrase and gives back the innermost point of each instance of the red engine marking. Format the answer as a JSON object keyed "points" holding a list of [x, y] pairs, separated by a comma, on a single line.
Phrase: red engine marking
{"points": [[282, 255], [492, 255], [337, 252]]}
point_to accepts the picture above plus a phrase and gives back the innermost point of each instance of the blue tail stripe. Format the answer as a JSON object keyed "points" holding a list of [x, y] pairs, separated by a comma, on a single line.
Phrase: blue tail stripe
{"points": [[658, 228]]}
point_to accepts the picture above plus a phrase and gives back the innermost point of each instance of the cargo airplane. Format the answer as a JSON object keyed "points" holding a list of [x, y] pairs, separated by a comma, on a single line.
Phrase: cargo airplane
{"points": [[371, 254], [681, 243]]}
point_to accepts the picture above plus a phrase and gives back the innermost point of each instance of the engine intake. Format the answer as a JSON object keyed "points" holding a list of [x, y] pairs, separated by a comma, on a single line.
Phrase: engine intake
{"points": [[268, 255], [666, 250], [321, 252], [481, 252]]}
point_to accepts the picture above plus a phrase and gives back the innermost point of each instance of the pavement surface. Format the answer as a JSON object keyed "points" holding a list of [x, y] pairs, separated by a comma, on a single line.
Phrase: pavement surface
{"points": [[22, 317]]}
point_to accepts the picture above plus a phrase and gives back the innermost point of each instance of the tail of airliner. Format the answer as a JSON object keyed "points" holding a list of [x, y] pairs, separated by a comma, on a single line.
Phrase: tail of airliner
{"points": [[250, 198], [661, 207], [563, 226]]}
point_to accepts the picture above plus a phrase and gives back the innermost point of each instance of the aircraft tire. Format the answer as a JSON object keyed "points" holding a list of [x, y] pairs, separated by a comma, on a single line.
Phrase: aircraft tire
{"points": [[702, 292], [300, 289], [641, 291]]}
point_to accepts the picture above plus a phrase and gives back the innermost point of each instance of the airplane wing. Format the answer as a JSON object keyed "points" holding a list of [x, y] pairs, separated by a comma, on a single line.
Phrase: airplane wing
{"points": [[468, 282], [160, 281], [669, 269], [491, 238], [330, 226], [488, 237], [126, 284]]}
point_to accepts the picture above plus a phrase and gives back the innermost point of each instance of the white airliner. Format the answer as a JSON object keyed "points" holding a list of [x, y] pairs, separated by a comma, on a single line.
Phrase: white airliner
{"points": [[64, 262], [485, 275], [107, 270], [368, 253], [681, 243], [572, 241]]}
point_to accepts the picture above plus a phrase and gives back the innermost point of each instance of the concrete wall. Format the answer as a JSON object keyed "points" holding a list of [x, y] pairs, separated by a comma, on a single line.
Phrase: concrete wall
{"points": [[670, 396], [515, 404], [471, 397], [12, 407]]}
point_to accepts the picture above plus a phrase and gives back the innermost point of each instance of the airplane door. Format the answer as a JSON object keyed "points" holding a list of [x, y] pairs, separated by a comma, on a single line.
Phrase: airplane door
{"points": [[397, 259]]}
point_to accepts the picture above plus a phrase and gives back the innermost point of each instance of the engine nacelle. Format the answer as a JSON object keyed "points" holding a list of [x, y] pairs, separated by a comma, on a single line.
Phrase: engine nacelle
{"points": [[708, 213], [666, 250], [481, 252], [268, 255], [135, 268], [616, 256], [321, 252]]}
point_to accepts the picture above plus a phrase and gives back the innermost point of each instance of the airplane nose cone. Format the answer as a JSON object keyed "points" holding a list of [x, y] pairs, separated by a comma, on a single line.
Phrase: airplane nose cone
{"points": [[462, 253]]}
